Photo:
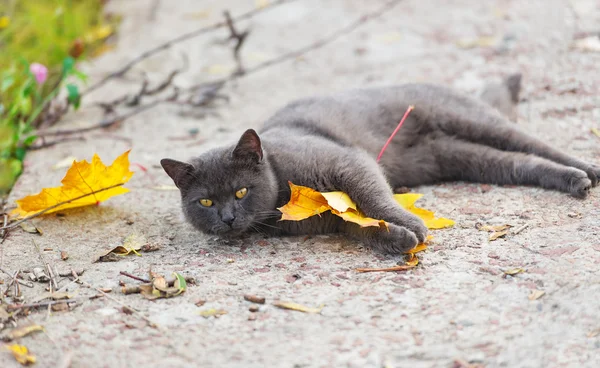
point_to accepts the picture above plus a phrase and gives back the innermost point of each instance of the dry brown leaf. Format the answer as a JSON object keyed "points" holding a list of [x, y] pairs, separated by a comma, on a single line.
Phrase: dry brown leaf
{"points": [[594, 333], [514, 271], [497, 234], [255, 299], [21, 354], [536, 294], [298, 307], [17, 333], [132, 244], [207, 313], [30, 228], [492, 228]]}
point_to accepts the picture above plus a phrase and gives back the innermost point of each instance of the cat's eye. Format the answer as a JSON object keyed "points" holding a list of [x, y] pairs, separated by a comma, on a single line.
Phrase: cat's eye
{"points": [[206, 202], [241, 193]]}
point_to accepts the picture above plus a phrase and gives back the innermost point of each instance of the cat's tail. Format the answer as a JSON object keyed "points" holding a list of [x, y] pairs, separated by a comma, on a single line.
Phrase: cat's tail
{"points": [[504, 96]]}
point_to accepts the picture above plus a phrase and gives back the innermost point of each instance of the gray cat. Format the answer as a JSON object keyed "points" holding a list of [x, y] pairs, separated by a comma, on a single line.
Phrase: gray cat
{"points": [[330, 143]]}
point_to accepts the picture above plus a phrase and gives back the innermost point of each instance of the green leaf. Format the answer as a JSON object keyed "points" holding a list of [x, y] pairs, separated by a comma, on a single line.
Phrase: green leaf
{"points": [[179, 283], [29, 140], [74, 97], [25, 106], [68, 65], [7, 82], [80, 75], [20, 153]]}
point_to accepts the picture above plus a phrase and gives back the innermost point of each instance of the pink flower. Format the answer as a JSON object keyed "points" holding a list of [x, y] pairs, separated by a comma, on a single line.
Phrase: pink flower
{"points": [[39, 71]]}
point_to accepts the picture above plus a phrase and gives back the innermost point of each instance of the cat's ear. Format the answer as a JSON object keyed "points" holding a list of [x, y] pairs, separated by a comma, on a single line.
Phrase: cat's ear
{"points": [[249, 147], [181, 173]]}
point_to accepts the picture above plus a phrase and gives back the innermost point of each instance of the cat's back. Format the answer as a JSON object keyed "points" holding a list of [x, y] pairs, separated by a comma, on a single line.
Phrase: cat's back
{"points": [[366, 117]]}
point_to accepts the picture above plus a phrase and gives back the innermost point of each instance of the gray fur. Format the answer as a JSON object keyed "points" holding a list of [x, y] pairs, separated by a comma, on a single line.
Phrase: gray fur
{"points": [[330, 143]]}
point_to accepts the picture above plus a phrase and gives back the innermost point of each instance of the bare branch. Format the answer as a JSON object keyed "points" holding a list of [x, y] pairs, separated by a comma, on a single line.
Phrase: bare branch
{"points": [[184, 37]]}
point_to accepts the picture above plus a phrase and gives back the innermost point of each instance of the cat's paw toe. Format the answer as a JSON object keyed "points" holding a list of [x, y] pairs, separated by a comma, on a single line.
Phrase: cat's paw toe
{"points": [[395, 240], [580, 185], [594, 174]]}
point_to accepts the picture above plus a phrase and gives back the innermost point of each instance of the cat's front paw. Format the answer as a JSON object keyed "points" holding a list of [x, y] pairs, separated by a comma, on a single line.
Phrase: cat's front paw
{"points": [[594, 174], [395, 240], [414, 224], [579, 184]]}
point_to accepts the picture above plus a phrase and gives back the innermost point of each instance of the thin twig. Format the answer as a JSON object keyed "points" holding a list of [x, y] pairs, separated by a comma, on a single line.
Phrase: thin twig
{"points": [[220, 82], [136, 312], [135, 277], [57, 205], [239, 38], [408, 110], [29, 284], [120, 72], [12, 307], [51, 273]]}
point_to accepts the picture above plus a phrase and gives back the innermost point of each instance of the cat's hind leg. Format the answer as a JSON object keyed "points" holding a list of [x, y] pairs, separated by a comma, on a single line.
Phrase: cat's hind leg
{"points": [[495, 132], [461, 160]]}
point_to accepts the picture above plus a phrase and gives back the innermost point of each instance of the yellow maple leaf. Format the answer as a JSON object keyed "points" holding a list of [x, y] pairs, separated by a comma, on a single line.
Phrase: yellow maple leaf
{"points": [[84, 184], [21, 354], [407, 200], [306, 202]]}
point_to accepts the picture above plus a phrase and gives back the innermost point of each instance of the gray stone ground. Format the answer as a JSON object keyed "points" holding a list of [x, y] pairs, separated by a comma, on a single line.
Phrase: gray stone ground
{"points": [[455, 305]]}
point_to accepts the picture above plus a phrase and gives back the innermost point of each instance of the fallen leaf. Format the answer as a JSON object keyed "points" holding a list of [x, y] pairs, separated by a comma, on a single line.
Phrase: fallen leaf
{"points": [[89, 183], [536, 294], [404, 267], [30, 228], [412, 260], [103, 48], [491, 228], [596, 132], [22, 331], [497, 234], [21, 354], [514, 271], [593, 333], [65, 162], [261, 3], [212, 313], [591, 43], [159, 288], [64, 255], [306, 202], [298, 307], [408, 200], [469, 43]]}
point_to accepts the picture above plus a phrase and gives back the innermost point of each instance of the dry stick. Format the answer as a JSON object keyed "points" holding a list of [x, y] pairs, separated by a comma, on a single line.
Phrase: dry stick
{"points": [[168, 44], [57, 205], [29, 284], [314, 46], [277, 60], [11, 307], [388, 269], [239, 38], [136, 312], [135, 277], [51, 273]]}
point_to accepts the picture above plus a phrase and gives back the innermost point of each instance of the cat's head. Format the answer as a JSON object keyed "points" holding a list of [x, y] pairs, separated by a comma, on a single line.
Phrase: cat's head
{"points": [[227, 189]]}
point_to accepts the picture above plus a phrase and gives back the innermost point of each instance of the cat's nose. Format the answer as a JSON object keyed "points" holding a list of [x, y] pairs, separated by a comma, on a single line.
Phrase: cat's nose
{"points": [[228, 219]]}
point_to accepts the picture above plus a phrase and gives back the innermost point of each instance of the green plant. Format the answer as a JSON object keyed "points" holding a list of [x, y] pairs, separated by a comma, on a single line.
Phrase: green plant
{"points": [[35, 35]]}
